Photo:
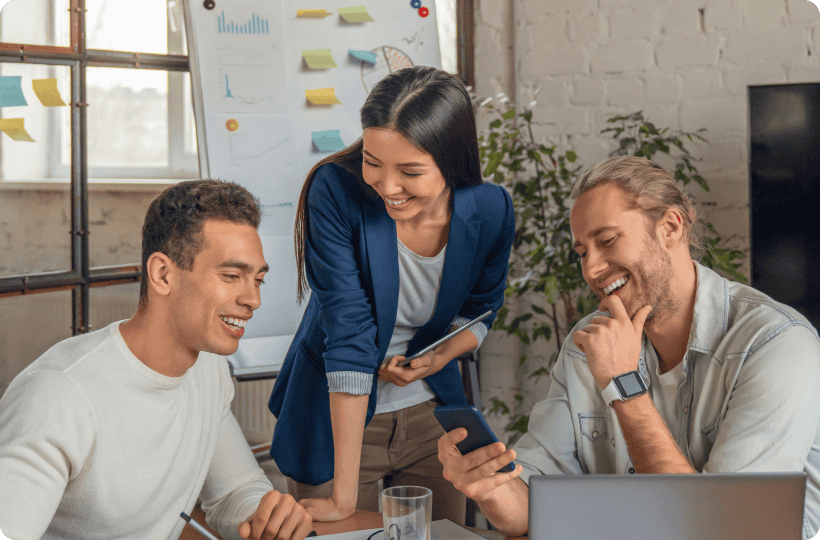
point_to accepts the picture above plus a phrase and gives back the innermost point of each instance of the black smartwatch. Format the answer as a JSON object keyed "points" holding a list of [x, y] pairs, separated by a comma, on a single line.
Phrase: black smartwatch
{"points": [[625, 386]]}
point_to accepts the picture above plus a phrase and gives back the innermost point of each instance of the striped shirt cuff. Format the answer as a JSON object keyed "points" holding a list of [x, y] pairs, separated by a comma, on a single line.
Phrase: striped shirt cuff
{"points": [[479, 329], [350, 382]]}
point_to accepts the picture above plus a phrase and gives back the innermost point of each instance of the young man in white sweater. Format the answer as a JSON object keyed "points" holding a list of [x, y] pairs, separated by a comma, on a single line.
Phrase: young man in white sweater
{"points": [[114, 433]]}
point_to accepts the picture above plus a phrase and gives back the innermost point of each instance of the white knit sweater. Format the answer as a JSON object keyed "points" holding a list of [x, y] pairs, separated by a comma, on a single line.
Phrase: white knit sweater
{"points": [[95, 445]]}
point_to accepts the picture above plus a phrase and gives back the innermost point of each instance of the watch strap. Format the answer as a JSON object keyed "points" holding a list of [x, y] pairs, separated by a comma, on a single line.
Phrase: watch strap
{"points": [[611, 393]]}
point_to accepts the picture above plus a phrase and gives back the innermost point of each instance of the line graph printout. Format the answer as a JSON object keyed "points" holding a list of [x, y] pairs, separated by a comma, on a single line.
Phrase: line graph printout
{"points": [[250, 87], [245, 48], [259, 152]]}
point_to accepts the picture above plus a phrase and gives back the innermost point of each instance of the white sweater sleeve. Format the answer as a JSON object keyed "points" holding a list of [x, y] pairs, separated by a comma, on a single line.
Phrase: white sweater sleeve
{"points": [[235, 482], [46, 433]]}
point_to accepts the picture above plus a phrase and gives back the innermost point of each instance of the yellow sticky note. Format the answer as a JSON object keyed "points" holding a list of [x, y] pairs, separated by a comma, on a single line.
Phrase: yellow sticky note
{"points": [[312, 13], [47, 92], [322, 96], [14, 128], [355, 14], [319, 59]]}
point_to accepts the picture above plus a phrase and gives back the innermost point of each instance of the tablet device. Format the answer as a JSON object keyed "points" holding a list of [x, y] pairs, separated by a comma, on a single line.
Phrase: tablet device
{"points": [[479, 433], [452, 334]]}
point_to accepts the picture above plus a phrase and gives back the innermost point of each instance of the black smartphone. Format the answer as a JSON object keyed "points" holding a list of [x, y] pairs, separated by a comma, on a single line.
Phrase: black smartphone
{"points": [[479, 433]]}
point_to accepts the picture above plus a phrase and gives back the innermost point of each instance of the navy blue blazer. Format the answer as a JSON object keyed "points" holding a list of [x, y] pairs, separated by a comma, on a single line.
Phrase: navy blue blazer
{"points": [[351, 261]]}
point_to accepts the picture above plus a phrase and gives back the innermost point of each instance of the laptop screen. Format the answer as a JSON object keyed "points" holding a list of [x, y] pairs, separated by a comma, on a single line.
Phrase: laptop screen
{"points": [[667, 506]]}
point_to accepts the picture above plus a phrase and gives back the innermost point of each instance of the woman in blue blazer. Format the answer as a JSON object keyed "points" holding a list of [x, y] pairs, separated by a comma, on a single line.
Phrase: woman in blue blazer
{"points": [[399, 240]]}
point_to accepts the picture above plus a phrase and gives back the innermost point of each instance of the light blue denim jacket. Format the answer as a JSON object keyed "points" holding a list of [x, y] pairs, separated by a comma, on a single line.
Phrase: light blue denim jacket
{"points": [[750, 397]]}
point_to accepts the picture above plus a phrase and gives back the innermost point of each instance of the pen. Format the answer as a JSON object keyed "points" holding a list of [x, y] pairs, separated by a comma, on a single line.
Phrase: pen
{"points": [[202, 530]]}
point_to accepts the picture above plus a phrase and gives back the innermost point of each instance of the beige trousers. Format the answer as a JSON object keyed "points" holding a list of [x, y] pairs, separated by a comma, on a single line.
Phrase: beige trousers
{"points": [[400, 447]]}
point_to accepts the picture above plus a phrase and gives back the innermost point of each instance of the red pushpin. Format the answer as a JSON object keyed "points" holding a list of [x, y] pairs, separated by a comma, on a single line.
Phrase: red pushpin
{"points": [[423, 12]]}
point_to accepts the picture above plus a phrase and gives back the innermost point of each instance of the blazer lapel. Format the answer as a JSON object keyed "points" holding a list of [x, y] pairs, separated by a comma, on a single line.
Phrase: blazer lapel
{"points": [[383, 259], [462, 242]]}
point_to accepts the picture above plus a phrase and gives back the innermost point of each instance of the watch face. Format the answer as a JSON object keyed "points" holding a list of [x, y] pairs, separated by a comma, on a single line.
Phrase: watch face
{"points": [[630, 384]]}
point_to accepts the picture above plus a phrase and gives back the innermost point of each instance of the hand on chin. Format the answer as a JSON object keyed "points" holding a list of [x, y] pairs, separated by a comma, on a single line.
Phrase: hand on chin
{"points": [[612, 344]]}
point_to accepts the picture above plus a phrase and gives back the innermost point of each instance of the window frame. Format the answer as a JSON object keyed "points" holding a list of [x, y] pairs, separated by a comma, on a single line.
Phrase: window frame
{"points": [[82, 277]]}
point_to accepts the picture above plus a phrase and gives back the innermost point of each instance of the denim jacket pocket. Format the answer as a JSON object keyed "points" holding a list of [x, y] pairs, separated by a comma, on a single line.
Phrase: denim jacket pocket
{"points": [[595, 450]]}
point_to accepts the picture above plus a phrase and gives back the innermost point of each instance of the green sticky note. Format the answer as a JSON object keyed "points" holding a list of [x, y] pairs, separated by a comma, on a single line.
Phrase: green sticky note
{"points": [[319, 59], [328, 141], [364, 56], [355, 14]]}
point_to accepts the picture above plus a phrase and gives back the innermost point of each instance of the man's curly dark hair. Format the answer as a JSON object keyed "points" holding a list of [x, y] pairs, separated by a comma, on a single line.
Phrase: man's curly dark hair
{"points": [[174, 220]]}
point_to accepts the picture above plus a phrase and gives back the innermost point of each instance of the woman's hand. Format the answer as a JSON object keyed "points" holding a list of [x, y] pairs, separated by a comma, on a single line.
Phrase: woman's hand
{"points": [[326, 509], [402, 376]]}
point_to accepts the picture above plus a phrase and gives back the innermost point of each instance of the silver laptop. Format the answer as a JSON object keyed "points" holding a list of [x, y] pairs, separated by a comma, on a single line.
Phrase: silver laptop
{"points": [[744, 506]]}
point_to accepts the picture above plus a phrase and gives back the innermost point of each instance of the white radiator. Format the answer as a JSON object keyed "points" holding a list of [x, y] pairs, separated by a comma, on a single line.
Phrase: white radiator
{"points": [[250, 407]]}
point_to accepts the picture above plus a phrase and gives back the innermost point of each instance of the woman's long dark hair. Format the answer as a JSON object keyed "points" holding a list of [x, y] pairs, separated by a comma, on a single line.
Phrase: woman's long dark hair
{"points": [[428, 107]]}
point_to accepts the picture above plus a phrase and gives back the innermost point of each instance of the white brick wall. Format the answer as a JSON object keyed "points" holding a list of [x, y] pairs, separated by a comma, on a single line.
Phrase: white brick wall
{"points": [[686, 63]]}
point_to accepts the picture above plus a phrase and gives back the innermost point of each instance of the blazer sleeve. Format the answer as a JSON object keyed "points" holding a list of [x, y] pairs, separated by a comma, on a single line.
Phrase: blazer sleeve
{"points": [[488, 291], [332, 259]]}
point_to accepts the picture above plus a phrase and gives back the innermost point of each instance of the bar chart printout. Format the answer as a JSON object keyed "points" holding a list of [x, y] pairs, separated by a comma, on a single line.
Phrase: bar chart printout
{"points": [[254, 25]]}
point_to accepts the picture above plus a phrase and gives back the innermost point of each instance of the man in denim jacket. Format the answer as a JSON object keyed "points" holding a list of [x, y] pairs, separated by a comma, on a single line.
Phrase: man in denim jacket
{"points": [[733, 377]]}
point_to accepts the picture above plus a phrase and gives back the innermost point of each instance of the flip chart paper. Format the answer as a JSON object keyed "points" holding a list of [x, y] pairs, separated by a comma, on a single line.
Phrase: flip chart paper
{"points": [[11, 91], [355, 14], [47, 92], [328, 141], [322, 96], [364, 56], [319, 59], [312, 13], [14, 128]]}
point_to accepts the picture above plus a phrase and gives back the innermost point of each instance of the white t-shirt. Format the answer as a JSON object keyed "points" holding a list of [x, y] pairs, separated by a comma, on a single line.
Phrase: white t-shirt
{"points": [[663, 387], [96, 445], [419, 282]]}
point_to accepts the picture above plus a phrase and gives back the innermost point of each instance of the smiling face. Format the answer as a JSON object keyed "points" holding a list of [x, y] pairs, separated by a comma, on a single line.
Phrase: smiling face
{"points": [[217, 296], [620, 253], [406, 178]]}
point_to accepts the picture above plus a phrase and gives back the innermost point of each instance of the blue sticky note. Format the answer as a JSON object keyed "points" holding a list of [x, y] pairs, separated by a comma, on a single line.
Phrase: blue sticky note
{"points": [[328, 141], [11, 91], [364, 56]]}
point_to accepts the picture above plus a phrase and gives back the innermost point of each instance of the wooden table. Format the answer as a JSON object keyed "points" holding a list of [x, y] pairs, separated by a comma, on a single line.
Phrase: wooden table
{"points": [[360, 521]]}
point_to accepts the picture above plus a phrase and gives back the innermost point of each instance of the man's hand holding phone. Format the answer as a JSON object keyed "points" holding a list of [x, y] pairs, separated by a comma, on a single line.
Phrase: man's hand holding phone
{"points": [[474, 460], [475, 474]]}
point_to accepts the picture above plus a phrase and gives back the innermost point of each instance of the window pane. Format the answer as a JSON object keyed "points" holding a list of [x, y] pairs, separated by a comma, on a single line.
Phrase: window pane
{"points": [[29, 325], [112, 303], [127, 119], [23, 160], [115, 221], [128, 26], [36, 22]]}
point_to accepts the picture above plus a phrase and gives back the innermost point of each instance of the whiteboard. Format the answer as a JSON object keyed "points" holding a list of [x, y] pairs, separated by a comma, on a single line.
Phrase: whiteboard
{"points": [[255, 125]]}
